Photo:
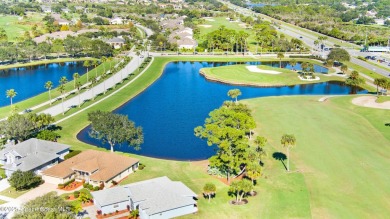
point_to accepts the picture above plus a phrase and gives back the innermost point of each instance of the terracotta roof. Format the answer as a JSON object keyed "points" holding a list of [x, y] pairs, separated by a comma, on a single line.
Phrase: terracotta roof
{"points": [[108, 165]]}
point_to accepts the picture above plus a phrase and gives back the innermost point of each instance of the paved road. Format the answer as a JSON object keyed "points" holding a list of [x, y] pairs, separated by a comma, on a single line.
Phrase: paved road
{"points": [[308, 39], [90, 94]]}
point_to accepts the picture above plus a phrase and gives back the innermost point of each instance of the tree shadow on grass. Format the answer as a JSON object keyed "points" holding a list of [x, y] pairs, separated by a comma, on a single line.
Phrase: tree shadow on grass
{"points": [[387, 124], [280, 156]]}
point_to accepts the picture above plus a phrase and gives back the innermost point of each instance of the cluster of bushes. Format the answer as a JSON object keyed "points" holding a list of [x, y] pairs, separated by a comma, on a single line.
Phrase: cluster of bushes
{"points": [[63, 185], [91, 187], [362, 58], [72, 154]]}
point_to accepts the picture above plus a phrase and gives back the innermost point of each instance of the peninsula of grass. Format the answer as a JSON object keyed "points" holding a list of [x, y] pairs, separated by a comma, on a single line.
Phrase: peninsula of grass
{"points": [[332, 135], [240, 75]]}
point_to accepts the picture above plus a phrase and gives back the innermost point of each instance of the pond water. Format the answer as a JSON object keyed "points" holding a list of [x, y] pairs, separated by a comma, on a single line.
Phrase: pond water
{"points": [[30, 81], [180, 100]]}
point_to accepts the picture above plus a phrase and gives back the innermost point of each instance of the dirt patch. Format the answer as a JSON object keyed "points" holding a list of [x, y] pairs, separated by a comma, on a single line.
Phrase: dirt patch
{"points": [[370, 101]]}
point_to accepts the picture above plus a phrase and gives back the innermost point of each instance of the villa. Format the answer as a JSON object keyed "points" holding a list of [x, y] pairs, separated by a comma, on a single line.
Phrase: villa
{"points": [[94, 167], [154, 198], [32, 155], [116, 42]]}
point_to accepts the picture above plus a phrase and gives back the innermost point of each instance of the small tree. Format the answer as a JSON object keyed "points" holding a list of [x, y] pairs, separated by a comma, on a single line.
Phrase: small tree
{"points": [[240, 189], [234, 93], [87, 64], [11, 93], [61, 89], [76, 76], [134, 214], [115, 128], [344, 68], [293, 63], [288, 141], [49, 86], [354, 79], [280, 56], [24, 180], [209, 189], [253, 171], [339, 54]]}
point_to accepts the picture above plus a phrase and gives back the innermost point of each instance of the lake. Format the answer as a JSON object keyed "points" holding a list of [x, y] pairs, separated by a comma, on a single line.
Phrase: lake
{"points": [[30, 81], [181, 99]]}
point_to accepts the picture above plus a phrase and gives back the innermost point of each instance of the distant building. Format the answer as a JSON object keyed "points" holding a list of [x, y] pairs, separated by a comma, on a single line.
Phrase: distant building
{"points": [[116, 21], [116, 42], [378, 49], [46, 9], [32, 155], [379, 21], [154, 198], [371, 13]]}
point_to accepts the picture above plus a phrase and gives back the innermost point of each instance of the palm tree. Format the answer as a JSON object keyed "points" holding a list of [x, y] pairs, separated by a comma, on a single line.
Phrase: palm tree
{"points": [[78, 87], [109, 59], [104, 77], [288, 141], [95, 63], [280, 56], [49, 86], [93, 82], [75, 77], [138, 54], [11, 93], [61, 89], [304, 66], [344, 68], [293, 63], [311, 67], [87, 64], [104, 59], [209, 189], [234, 93], [378, 82]]}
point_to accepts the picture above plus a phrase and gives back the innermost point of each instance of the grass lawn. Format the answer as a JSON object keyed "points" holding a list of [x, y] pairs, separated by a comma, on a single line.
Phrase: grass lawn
{"points": [[2, 202], [239, 74], [12, 193], [16, 28], [341, 152], [331, 135], [363, 70], [42, 62], [382, 99]]}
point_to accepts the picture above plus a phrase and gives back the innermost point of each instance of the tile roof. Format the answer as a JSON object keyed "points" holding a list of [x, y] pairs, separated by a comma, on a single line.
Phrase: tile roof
{"points": [[33, 152], [108, 165], [155, 195]]}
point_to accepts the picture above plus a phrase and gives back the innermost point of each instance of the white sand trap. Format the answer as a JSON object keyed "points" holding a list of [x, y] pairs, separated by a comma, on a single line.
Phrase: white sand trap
{"points": [[369, 101], [254, 68], [205, 25], [309, 78], [209, 19]]}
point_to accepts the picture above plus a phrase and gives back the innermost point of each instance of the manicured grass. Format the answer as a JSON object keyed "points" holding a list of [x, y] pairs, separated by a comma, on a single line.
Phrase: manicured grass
{"points": [[382, 99], [43, 97], [2, 202], [43, 62], [341, 152], [363, 70], [281, 195], [12, 193], [16, 28], [239, 74]]}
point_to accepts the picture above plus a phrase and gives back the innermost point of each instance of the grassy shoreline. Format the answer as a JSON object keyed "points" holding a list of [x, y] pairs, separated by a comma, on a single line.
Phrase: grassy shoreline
{"points": [[45, 62]]}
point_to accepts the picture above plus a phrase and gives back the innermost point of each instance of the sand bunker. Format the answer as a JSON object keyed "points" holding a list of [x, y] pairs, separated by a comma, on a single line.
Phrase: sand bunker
{"points": [[205, 25], [369, 101], [254, 68]]}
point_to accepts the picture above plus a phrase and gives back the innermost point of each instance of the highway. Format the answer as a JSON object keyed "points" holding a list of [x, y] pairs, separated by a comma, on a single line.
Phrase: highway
{"points": [[309, 38]]}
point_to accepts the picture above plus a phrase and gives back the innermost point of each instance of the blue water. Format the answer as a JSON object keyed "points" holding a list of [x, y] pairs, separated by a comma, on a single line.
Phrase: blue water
{"points": [[180, 100], [30, 81]]}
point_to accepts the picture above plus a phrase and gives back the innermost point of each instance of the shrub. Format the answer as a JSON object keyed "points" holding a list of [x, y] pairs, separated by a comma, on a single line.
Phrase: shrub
{"points": [[3, 176], [362, 58], [76, 194], [114, 182], [141, 166], [67, 197], [72, 154], [101, 187], [96, 188], [69, 182], [61, 186], [85, 185], [90, 187], [24, 180]]}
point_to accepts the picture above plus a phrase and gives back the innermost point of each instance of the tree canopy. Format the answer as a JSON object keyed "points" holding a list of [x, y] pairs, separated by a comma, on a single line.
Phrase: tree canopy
{"points": [[115, 129], [24, 180], [339, 54]]}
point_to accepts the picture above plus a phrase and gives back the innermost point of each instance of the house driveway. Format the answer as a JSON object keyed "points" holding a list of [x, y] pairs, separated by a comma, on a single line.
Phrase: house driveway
{"points": [[4, 184], [39, 191]]}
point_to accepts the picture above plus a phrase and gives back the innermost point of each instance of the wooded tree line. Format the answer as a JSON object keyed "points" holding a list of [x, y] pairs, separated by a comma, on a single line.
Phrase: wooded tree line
{"points": [[334, 20]]}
